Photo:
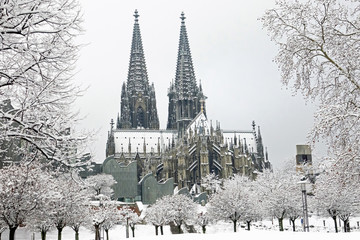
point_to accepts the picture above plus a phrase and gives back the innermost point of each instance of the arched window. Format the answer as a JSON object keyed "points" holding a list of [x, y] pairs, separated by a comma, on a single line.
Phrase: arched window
{"points": [[140, 121]]}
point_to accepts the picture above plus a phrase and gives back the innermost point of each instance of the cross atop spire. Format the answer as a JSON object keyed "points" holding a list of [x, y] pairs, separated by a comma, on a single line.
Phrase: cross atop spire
{"points": [[112, 124], [182, 18], [136, 15]]}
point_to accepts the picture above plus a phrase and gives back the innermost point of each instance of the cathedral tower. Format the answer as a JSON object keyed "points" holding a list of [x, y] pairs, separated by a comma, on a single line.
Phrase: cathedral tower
{"points": [[138, 103], [185, 96]]}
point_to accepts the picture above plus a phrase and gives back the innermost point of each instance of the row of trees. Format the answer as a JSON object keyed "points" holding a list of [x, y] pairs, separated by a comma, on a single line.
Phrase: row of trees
{"points": [[274, 194], [32, 196]]}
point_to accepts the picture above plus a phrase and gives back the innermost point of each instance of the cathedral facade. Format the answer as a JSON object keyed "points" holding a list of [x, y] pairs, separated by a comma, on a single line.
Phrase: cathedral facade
{"points": [[190, 147]]}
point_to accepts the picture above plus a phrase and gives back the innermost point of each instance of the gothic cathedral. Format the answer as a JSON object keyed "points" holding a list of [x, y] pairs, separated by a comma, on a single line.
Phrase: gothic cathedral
{"points": [[190, 147]]}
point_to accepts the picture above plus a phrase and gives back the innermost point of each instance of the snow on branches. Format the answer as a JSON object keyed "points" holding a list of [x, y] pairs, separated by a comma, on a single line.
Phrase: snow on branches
{"points": [[336, 193], [22, 190], [230, 203], [100, 184], [280, 194], [176, 209], [38, 54], [318, 55]]}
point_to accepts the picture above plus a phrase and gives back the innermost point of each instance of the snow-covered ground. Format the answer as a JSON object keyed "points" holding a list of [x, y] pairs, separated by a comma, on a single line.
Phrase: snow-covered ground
{"points": [[260, 230]]}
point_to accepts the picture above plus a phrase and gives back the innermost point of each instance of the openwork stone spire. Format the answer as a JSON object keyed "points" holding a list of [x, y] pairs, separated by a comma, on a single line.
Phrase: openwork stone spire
{"points": [[185, 81], [138, 103], [184, 94], [137, 76]]}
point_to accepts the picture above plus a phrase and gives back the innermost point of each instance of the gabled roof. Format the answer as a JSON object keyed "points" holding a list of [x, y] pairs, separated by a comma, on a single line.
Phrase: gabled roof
{"points": [[200, 124]]}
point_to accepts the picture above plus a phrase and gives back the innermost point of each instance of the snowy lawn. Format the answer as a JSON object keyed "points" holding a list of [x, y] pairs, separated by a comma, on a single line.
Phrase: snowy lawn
{"points": [[222, 231]]}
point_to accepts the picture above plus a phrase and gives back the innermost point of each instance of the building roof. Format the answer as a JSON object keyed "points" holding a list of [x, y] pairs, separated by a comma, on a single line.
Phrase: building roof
{"points": [[137, 139]]}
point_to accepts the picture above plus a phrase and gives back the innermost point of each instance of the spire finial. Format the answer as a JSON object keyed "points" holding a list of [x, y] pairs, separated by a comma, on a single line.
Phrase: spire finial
{"points": [[182, 17], [136, 15], [112, 124]]}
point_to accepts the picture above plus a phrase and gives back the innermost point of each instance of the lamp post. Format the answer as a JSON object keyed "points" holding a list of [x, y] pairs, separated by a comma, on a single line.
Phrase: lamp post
{"points": [[304, 202]]}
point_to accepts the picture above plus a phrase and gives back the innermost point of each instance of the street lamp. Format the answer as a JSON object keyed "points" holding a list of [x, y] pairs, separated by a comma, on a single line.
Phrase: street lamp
{"points": [[304, 202]]}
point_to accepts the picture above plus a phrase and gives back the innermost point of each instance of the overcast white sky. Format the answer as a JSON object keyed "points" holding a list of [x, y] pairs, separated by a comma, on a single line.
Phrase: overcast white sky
{"points": [[232, 55]]}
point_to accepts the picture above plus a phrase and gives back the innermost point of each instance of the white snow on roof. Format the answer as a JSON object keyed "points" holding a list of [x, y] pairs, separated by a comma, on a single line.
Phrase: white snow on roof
{"points": [[241, 135], [138, 138]]}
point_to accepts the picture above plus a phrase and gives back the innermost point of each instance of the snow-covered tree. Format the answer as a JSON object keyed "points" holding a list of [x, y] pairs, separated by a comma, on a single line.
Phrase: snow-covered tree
{"points": [[277, 191], [230, 202], [79, 208], [102, 211], [79, 217], [22, 188], [180, 209], [319, 56], [114, 216], [38, 53], [41, 222], [253, 210], [61, 207], [100, 184], [129, 218], [336, 193], [157, 215], [203, 220], [68, 198]]}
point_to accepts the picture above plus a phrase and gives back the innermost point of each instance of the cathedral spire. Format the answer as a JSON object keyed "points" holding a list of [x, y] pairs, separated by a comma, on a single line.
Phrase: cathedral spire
{"points": [[138, 103], [137, 76], [184, 95], [185, 81]]}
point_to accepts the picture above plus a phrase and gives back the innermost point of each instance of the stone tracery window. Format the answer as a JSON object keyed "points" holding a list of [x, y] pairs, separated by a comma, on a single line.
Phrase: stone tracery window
{"points": [[140, 118]]}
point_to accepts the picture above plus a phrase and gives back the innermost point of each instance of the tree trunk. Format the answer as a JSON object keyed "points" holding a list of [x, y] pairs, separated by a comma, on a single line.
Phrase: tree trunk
{"points": [[179, 228], [156, 230], [59, 232], [161, 230], [97, 232], [248, 225], [293, 224], [281, 226], [107, 234], [133, 231], [203, 229], [234, 221], [76, 235], [336, 228], [12, 232], [127, 228], [43, 235], [0, 235], [346, 225]]}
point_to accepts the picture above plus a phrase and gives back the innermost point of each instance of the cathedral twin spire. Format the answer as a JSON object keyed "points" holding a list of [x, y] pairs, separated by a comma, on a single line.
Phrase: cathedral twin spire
{"points": [[137, 75], [185, 97], [138, 102]]}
